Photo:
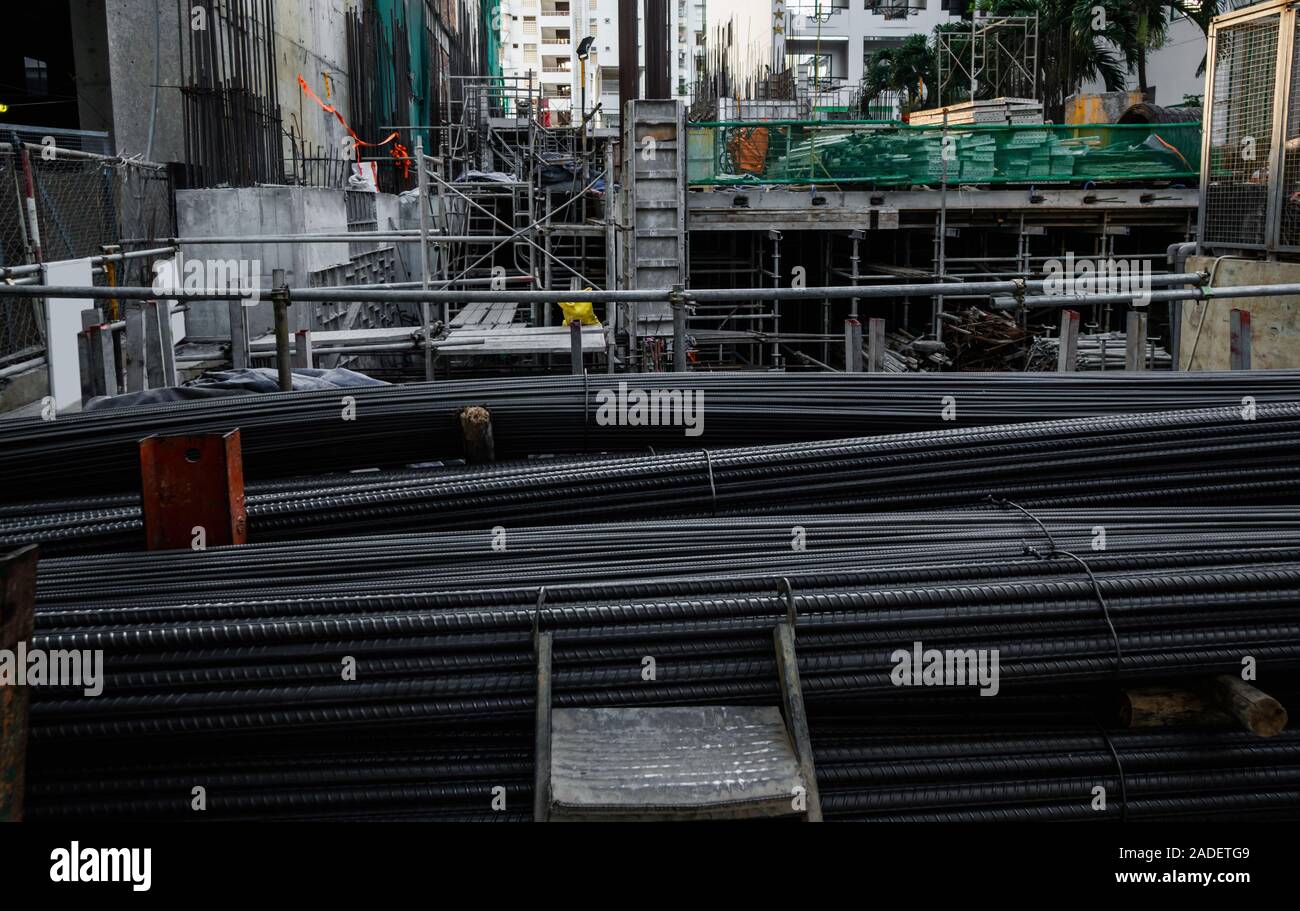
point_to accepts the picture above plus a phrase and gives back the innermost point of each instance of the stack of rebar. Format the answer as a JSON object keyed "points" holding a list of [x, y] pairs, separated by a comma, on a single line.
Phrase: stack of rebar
{"points": [[229, 669], [1203, 457], [299, 433], [371, 654]]}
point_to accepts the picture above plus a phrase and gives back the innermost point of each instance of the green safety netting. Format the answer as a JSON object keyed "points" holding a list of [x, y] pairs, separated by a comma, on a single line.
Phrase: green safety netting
{"points": [[889, 153]]}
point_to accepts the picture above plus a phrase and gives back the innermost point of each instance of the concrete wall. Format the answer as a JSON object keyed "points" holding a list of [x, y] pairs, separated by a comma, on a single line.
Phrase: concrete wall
{"points": [[1275, 321], [89, 25], [1103, 107], [114, 44], [131, 36], [1171, 70], [311, 39], [23, 389], [265, 210]]}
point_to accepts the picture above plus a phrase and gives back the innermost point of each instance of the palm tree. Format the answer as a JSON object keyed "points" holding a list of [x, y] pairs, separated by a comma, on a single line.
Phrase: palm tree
{"points": [[908, 69], [1077, 43]]}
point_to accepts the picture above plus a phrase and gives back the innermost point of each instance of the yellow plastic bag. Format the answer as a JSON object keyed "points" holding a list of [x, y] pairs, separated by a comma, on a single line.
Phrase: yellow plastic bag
{"points": [[579, 310]]}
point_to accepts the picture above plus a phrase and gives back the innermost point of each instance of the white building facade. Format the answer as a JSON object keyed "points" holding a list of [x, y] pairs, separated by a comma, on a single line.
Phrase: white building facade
{"points": [[827, 41], [542, 37]]}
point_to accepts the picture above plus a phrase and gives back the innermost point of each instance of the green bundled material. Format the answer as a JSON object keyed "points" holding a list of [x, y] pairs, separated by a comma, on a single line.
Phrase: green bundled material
{"points": [[900, 155]]}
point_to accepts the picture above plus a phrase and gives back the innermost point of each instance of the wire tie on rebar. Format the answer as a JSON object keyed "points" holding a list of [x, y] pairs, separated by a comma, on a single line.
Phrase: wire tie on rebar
{"points": [[713, 488], [1055, 551], [1105, 610], [1119, 770], [1004, 503], [791, 615]]}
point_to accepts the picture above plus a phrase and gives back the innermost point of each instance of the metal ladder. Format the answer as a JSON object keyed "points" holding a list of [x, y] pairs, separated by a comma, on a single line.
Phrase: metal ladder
{"points": [[680, 763]]}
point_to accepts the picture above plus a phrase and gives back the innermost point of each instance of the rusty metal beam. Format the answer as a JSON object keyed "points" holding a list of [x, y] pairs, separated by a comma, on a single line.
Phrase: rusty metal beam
{"points": [[191, 483], [17, 612]]}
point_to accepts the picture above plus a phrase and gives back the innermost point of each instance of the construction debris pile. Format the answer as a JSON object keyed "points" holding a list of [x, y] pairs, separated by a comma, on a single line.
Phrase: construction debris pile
{"points": [[979, 340]]}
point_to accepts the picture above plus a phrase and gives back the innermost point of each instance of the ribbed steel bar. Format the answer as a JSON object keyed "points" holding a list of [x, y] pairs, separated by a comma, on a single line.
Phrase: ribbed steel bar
{"points": [[1206, 456]]}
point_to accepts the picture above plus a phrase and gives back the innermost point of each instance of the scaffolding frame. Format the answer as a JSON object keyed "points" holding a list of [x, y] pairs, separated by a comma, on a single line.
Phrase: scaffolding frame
{"points": [[996, 58]]}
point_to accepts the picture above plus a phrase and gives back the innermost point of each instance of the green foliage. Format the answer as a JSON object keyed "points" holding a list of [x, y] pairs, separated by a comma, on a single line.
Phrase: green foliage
{"points": [[1079, 41]]}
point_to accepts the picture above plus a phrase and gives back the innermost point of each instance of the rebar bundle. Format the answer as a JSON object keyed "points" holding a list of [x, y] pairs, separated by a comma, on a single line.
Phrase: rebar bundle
{"points": [[311, 432], [1207, 456], [223, 668]]}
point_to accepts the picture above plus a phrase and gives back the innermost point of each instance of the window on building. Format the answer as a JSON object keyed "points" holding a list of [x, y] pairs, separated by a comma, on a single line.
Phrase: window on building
{"points": [[38, 76], [871, 45], [811, 64], [816, 7], [901, 9]]}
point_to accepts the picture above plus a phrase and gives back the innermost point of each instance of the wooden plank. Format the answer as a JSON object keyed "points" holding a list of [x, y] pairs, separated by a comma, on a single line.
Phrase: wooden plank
{"points": [[1163, 707], [134, 348], [1067, 353], [471, 315], [338, 338], [302, 356], [238, 335], [1239, 340], [520, 339]]}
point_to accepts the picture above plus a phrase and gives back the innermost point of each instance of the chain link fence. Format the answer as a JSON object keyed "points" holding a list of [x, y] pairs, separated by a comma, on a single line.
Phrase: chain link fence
{"points": [[82, 205]]}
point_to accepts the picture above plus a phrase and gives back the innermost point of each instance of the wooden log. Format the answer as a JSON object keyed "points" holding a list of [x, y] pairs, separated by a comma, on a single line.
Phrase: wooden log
{"points": [[1256, 711], [1161, 707], [476, 429]]}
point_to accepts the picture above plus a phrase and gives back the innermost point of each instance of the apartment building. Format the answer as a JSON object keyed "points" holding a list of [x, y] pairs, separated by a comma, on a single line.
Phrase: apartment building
{"points": [[542, 37], [827, 41]]}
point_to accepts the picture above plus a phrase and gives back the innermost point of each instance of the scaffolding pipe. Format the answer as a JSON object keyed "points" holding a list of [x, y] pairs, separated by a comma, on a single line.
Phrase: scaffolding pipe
{"points": [[690, 296]]}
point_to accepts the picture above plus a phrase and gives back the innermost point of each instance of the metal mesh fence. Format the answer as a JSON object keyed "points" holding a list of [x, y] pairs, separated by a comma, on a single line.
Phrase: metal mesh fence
{"points": [[21, 320], [82, 204], [1241, 132], [893, 154], [1289, 235]]}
